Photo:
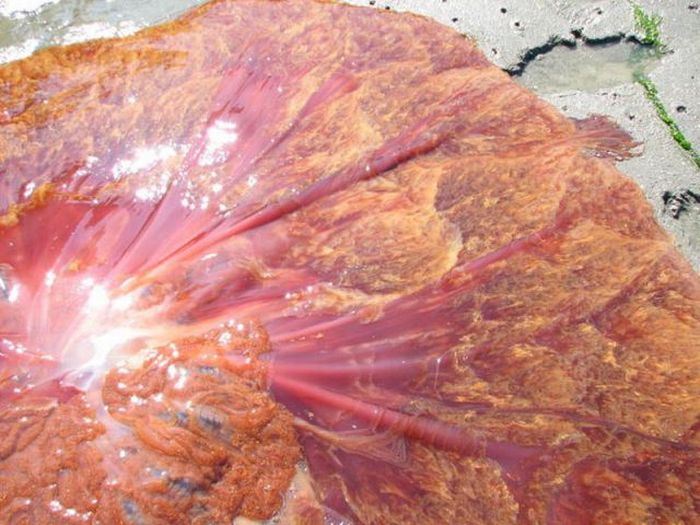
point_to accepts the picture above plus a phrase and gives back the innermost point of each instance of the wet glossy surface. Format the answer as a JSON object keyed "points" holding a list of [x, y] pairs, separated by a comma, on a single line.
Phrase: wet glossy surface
{"points": [[294, 234], [588, 67]]}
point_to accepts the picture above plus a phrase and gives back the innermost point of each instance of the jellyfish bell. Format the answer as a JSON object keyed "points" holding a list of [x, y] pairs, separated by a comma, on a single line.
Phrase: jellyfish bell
{"points": [[238, 283]]}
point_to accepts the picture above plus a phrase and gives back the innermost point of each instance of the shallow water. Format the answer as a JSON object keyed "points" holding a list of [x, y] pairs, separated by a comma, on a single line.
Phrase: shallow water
{"points": [[588, 67]]}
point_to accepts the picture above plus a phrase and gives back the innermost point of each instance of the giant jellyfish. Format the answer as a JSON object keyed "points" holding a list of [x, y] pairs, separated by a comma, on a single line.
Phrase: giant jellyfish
{"points": [[323, 264]]}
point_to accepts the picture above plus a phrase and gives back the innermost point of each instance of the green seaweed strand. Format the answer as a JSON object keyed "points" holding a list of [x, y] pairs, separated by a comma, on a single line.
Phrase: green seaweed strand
{"points": [[653, 96], [650, 28]]}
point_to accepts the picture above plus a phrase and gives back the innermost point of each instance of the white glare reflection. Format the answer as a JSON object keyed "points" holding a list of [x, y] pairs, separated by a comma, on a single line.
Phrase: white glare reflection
{"points": [[49, 278], [136, 400], [102, 346], [221, 134], [123, 303], [179, 373], [156, 190], [99, 298], [29, 189], [143, 159], [14, 294]]}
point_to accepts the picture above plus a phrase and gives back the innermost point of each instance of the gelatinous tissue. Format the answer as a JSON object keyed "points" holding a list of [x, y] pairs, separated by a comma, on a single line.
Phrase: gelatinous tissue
{"points": [[322, 264]]}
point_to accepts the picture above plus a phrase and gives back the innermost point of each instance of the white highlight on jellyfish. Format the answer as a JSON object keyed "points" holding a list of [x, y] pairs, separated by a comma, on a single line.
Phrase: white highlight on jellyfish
{"points": [[13, 296], [220, 135], [100, 348], [204, 203], [29, 189], [113, 338], [123, 303], [143, 159], [156, 190], [225, 339], [180, 383], [180, 373], [12, 293], [138, 401], [55, 505], [142, 194], [98, 298], [50, 278]]}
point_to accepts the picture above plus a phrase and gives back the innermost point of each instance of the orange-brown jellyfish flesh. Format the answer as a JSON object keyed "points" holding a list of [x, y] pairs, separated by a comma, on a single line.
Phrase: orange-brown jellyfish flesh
{"points": [[273, 232]]}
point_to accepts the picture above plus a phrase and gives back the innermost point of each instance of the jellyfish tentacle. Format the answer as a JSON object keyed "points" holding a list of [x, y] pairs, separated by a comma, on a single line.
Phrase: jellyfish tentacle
{"points": [[383, 446], [390, 368], [419, 428]]}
